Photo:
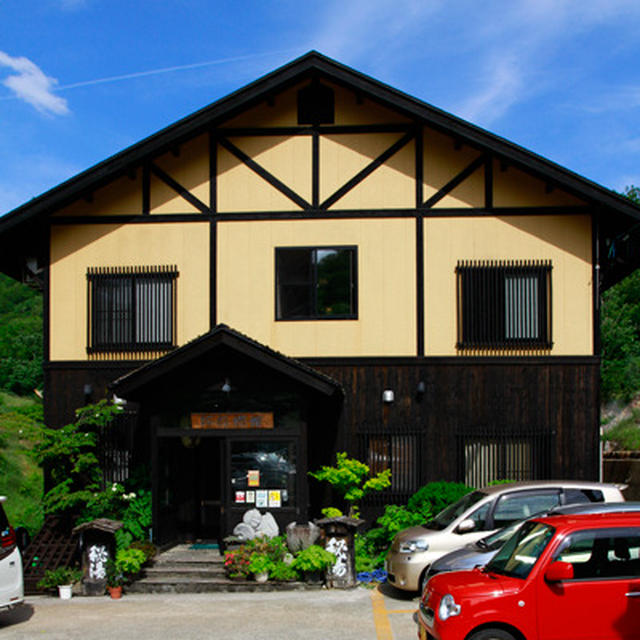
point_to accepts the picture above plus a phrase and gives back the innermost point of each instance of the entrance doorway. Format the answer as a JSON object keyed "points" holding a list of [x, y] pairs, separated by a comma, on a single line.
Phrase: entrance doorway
{"points": [[190, 489]]}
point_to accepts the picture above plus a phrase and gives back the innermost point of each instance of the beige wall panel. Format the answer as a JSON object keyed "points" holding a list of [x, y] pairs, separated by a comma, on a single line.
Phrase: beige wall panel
{"points": [[443, 162], [191, 169], [343, 156], [123, 196], [288, 159], [386, 286], [390, 186], [515, 188], [565, 240], [468, 194], [240, 189], [351, 111], [76, 248], [284, 111]]}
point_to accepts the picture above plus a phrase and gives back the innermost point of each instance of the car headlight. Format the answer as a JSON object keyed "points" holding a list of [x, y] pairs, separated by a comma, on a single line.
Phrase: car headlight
{"points": [[409, 546], [448, 607]]}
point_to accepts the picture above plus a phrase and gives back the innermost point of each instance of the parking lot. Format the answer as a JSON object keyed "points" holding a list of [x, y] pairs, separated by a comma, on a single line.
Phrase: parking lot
{"points": [[358, 614]]}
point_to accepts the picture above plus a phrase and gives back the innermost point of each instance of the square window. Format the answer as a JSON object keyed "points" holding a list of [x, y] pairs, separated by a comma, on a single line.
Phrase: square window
{"points": [[316, 283], [504, 305], [131, 310]]}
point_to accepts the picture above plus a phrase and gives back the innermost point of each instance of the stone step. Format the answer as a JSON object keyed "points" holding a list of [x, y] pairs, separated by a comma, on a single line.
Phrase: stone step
{"points": [[213, 585], [166, 572]]}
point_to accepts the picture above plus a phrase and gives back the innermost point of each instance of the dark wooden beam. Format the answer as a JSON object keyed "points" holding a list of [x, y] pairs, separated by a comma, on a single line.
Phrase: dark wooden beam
{"points": [[146, 189], [179, 189], [454, 182], [322, 129], [368, 170], [315, 170], [264, 174]]}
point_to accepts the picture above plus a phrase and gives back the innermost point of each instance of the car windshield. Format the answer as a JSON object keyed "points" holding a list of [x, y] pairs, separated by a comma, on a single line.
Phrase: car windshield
{"points": [[521, 552], [454, 511], [497, 539]]}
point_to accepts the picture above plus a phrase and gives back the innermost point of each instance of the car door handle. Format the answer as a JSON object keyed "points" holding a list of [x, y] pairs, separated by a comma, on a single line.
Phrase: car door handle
{"points": [[633, 594]]}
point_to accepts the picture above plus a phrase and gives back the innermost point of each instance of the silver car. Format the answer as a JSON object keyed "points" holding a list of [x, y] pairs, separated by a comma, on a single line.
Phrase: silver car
{"points": [[478, 514]]}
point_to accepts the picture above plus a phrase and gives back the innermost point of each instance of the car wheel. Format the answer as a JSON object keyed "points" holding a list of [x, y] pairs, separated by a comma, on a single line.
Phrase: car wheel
{"points": [[492, 634]]}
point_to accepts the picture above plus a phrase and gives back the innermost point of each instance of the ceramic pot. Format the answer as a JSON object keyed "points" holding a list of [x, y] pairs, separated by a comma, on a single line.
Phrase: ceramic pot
{"points": [[64, 591], [115, 592], [262, 577]]}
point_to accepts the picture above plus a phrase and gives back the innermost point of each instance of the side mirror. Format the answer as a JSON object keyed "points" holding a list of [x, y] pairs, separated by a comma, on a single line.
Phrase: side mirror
{"points": [[558, 571], [23, 539], [466, 526]]}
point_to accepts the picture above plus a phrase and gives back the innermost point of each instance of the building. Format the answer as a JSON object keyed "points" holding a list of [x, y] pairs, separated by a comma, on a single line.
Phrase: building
{"points": [[315, 263]]}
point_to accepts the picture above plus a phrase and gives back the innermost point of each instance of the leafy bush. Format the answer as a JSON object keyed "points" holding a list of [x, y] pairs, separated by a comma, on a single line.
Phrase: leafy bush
{"points": [[283, 571], [624, 436], [130, 561], [313, 558], [435, 496], [350, 478], [60, 576], [260, 563], [146, 546], [372, 546]]}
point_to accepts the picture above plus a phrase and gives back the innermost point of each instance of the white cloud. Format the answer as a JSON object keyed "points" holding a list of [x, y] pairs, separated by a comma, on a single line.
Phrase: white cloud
{"points": [[30, 84]]}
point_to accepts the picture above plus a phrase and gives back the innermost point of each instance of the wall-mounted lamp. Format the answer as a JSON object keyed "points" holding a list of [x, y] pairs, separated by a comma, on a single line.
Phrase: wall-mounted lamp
{"points": [[226, 387], [87, 390], [420, 390], [388, 396]]}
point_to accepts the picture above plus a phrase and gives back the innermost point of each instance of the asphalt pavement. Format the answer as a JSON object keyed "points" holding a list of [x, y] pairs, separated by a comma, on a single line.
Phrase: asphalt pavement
{"points": [[357, 614]]}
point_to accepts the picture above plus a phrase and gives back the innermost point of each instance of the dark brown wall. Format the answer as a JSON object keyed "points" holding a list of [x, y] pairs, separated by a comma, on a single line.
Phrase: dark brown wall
{"points": [[543, 395]]}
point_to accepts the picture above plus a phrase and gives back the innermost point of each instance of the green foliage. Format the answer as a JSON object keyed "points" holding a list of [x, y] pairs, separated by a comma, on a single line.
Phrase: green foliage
{"points": [[283, 571], [20, 337], [435, 496], [129, 561], [115, 576], [350, 478], [331, 512], [624, 436], [372, 546], [21, 479], [69, 453], [60, 576], [260, 563], [146, 546], [313, 558], [620, 333]]}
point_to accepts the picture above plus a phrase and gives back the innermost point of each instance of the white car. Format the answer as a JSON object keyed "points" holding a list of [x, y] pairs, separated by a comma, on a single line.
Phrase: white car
{"points": [[11, 582], [478, 514]]}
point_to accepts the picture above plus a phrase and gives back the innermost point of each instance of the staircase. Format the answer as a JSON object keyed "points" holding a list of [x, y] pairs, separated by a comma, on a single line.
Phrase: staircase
{"points": [[182, 569]]}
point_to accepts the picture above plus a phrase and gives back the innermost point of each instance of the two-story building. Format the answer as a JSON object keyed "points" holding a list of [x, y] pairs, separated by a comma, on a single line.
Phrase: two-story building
{"points": [[315, 263]]}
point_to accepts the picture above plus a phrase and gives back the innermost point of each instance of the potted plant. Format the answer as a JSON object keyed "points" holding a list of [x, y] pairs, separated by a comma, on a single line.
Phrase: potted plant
{"points": [[115, 579], [260, 565], [63, 578], [313, 561]]}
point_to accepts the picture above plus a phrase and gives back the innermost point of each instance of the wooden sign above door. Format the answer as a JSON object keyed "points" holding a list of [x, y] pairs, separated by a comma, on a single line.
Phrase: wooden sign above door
{"points": [[232, 420]]}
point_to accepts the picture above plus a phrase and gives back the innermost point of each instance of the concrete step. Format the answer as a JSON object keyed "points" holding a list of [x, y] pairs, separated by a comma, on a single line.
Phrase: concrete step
{"points": [[213, 585], [176, 571]]}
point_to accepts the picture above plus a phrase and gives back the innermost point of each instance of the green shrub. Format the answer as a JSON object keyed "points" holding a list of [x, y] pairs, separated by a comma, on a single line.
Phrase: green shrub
{"points": [[313, 558], [146, 546], [350, 478], [624, 436], [431, 499], [260, 563], [282, 572], [130, 561], [60, 576]]}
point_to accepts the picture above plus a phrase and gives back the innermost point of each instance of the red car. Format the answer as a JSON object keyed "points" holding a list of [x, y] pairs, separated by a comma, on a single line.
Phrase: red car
{"points": [[558, 578]]}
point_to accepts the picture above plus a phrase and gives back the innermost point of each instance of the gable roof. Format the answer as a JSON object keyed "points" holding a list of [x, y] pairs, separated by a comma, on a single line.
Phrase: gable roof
{"points": [[621, 211], [133, 384]]}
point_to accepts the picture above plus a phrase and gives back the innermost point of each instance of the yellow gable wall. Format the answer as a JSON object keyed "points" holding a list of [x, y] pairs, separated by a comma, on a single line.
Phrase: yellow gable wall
{"points": [[123, 196], [386, 286], [76, 248], [563, 239], [190, 168]]}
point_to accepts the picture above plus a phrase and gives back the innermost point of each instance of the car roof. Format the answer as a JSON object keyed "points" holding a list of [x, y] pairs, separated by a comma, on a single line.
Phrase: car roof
{"points": [[542, 484], [591, 520], [594, 507], [3, 498]]}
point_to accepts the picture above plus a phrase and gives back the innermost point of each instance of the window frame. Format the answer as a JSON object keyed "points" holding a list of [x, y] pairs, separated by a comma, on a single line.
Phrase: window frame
{"points": [[313, 285], [482, 285], [100, 276]]}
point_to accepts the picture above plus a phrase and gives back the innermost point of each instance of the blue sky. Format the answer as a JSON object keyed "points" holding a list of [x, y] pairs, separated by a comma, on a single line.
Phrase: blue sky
{"points": [[82, 79]]}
